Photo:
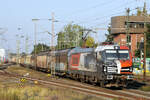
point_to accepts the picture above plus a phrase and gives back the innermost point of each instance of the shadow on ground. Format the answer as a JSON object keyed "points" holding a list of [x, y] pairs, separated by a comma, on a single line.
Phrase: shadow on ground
{"points": [[133, 85]]}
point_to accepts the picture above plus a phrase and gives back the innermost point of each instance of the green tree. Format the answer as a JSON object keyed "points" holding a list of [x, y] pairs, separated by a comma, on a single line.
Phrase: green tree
{"points": [[109, 36], [72, 36], [147, 33], [40, 47], [139, 12], [148, 40], [142, 12], [137, 53], [90, 42]]}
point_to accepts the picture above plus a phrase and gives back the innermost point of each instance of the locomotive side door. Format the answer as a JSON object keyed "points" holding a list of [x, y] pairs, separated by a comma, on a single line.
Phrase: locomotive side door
{"points": [[48, 63]]}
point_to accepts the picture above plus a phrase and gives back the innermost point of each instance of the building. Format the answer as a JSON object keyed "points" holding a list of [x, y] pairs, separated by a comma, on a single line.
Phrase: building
{"points": [[136, 29]]}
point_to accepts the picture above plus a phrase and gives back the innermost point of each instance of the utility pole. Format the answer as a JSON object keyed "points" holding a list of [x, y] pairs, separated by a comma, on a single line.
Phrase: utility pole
{"points": [[52, 46], [35, 38], [18, 48], [18, 45], [144, 65], [26, 48], [35, 45], [144, 74], [127, 29]]}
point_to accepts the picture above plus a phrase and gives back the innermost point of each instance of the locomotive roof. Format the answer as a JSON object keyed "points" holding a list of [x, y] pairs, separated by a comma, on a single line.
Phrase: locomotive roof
{"points": [[104, 47], [80, 50]]}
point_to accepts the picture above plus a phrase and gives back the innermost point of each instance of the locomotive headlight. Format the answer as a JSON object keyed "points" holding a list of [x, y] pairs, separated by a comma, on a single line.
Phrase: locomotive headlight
{"points": [[131, 69], [104, 69]]}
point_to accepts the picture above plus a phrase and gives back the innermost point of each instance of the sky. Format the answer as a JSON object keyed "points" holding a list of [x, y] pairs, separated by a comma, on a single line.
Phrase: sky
{"points": [[16, 18]]}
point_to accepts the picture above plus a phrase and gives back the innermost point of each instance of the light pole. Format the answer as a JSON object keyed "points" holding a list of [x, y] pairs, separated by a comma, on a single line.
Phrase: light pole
{"points": [[52, 40], [35, 33], [18, 47]]}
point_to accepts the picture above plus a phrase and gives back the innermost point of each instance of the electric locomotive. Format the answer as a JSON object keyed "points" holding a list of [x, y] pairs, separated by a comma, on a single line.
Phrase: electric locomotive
{"points": [[115, 65]]}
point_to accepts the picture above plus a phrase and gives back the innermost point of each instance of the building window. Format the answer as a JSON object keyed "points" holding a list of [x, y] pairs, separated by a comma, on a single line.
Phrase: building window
{"points": [[141, 25], [135, 24]]}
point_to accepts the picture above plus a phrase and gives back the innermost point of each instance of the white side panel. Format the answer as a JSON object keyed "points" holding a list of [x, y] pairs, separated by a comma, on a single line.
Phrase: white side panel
{"points": [[118, 66]]}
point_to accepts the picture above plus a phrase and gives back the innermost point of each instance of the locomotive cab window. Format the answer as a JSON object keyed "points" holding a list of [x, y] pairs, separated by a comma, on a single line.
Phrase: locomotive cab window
{"points": [[111, 54], [123, 54]]}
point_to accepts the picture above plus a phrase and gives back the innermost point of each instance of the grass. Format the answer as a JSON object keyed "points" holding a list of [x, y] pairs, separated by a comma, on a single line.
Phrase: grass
{"points": [[145, 88], [41, 93], [12, 89], [22, 71]]}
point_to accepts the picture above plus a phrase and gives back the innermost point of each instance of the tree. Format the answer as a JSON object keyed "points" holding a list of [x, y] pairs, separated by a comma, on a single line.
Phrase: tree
{"points": [[109, 36], [40, 47], [72, 36], [142, 12], [148, 40], [139, 12], [137, 53], [147, 33], [90, 42]]}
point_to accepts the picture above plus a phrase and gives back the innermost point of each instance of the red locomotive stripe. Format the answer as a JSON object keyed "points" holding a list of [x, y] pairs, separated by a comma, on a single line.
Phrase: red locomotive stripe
{"points": [[125, 72]]}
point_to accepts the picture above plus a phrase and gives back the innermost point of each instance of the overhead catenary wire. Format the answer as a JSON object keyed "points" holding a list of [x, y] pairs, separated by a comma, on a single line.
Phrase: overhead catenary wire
{"points": [[98, 18], [95, 19], [90, 8]]}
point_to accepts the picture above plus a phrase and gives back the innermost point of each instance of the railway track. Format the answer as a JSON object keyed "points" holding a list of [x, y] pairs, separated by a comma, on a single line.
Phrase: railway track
{"points": [[140, 78], [4, 66], [125, 94]]}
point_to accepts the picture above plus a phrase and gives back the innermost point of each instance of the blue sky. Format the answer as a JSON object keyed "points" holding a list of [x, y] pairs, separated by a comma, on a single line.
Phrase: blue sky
{"points": [[88, 13]]}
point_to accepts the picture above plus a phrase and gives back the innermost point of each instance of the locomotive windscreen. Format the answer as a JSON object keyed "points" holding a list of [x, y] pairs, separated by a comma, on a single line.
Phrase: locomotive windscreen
{"points": [[123, 54], [111, 54], [117, 54]]}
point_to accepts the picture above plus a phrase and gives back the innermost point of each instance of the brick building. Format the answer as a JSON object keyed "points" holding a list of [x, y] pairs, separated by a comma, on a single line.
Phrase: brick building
{"points": [[136, 30]]}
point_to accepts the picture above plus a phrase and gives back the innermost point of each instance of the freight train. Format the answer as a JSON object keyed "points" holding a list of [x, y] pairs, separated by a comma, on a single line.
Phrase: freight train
{"points": [[106, 65]]}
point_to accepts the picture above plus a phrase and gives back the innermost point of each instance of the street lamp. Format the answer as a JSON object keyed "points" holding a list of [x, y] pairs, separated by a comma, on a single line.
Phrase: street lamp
{"points": [[35, 34], [35, 31]]}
